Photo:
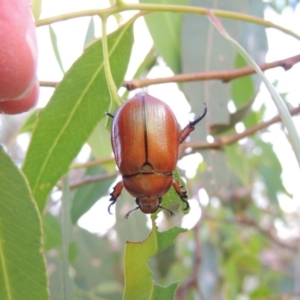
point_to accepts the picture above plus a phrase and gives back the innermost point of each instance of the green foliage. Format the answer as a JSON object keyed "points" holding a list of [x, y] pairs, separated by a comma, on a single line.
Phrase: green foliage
{"points": [[22, 265], [55, 48], [138, 283], [270, 170], [242, 89], [234, 249], [72, 114], [164, 29]]}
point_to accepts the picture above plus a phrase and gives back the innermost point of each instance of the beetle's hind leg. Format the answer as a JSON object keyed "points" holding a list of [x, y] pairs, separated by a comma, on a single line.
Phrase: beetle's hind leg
{"points": [[115, 194], [181, 193]]}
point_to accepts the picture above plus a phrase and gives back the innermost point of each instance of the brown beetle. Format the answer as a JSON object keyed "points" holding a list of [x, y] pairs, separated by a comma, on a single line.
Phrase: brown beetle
{"points": [[145, 138]]}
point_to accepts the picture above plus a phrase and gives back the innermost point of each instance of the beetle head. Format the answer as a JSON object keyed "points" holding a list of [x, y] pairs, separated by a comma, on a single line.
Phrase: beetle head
{"points": [[149, 205]]}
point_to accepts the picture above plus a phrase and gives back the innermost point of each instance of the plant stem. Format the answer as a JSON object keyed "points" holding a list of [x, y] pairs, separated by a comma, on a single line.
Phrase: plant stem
{"points": [[224, 75], [114, 96], [204, 11], [223, 141], [106, 12], [121, 6], [119, 3]]}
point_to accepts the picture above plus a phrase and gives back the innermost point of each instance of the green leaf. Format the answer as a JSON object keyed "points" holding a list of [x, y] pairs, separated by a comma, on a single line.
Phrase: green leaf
{"points": [[165, 29], [55, 47], [242, 89], [138, 282], [22, 265], [86, 196], [76, 107]]}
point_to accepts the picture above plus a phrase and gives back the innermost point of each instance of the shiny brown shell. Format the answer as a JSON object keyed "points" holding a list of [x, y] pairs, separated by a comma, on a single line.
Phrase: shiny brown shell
{"points": [[145, 136]]}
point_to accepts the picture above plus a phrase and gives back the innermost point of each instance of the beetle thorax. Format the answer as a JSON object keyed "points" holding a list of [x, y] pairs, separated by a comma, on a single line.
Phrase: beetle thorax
{"points": [[148, 205]]}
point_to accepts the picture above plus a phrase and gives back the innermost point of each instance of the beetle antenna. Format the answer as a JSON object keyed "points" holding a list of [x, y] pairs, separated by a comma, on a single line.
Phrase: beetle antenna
{"points": [[127, 215], [193, 123], [109, 114], [187, 204], [171, 213]]}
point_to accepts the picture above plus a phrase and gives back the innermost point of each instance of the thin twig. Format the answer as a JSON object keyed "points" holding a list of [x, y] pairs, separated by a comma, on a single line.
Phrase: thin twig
{"points": [[232, 138], [224, 76], [52, 84]]}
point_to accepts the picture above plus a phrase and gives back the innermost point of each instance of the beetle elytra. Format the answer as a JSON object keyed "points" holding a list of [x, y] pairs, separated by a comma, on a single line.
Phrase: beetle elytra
{"points": [[145, 138]]}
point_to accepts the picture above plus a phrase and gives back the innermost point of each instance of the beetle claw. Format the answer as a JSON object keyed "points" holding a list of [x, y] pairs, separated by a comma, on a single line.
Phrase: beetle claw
{"points": [[183, 197], [187, 204], [109, 206], [181, 193]]}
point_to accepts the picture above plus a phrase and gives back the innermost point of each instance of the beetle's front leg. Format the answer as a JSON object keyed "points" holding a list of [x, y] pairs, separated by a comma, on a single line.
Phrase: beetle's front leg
{"points": [[181, 192], [191, 126], [115, 194]]}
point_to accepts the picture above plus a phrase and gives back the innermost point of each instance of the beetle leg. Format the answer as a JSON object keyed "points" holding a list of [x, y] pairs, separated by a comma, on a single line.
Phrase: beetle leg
{"points": [[115, 194], [181, 192], [191, 126]]}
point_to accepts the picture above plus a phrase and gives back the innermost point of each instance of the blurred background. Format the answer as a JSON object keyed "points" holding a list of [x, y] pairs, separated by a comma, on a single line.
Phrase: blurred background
{"points": [[243, 224]]}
